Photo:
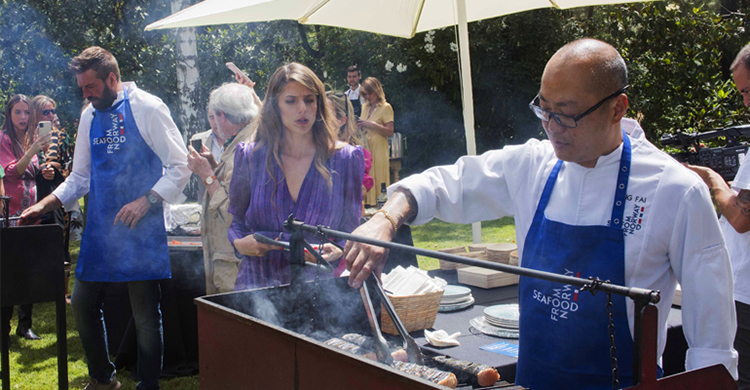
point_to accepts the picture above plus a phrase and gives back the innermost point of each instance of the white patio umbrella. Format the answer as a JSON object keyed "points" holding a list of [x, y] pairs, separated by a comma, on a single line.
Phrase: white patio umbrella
{"points": [[401, 18]]}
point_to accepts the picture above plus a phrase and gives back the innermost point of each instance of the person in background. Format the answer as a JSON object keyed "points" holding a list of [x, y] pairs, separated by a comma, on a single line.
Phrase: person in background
{"points": [[55, 169], [349, 132], [130, 159], [377, 121], [353, 75], [733, 202], [297, 166], [233, 107], [19, 147], [215, 144], [596, 199]]}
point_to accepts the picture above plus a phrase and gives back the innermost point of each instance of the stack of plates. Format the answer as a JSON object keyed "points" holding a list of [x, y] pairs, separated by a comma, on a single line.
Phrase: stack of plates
{"points": [[455, 298], [502, 316], [498, 320]]}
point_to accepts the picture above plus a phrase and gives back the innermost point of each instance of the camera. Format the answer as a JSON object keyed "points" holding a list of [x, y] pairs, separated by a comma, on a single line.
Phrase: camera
{"points": [[725, 160]]}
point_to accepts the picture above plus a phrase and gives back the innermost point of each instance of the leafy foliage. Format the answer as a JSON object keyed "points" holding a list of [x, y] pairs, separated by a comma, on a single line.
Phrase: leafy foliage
{"points": [[677, 52]]}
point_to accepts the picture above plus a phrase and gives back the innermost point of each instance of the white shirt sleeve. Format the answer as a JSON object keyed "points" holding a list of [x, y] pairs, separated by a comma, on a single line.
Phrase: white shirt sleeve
{"points": [[452, 193], [77, 184], [163, 137], [699, 258]]}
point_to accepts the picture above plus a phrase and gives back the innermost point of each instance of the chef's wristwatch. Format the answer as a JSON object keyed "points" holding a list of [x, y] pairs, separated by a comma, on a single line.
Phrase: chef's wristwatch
{"points": [[209, 180], [152, 198]]}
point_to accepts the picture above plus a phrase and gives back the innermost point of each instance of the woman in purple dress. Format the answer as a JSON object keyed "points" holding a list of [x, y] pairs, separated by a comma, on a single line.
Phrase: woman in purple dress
{"points": [[295, 166]]}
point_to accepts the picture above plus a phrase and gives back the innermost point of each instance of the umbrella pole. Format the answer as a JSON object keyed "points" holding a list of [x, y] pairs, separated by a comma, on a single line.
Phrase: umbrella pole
{"points": [[467, 96]]}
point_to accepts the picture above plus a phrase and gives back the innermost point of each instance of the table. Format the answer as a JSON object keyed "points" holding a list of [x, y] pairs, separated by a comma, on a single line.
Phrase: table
{"points": [[179, 314], [673, 359]]}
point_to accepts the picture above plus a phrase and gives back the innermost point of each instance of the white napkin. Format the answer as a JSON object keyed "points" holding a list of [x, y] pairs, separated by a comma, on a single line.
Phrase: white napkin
{"points": [[440, 338]]}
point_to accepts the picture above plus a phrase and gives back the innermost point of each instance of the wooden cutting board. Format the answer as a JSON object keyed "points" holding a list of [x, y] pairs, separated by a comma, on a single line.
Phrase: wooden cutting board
{"points": [[485, 278]]}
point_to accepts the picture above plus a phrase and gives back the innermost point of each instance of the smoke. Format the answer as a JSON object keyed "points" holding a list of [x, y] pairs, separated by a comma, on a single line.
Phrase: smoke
{"points": [[318, 309], [31, 63]]}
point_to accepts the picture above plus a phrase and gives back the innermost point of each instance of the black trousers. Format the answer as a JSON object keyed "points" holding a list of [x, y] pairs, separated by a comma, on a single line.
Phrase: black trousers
{"points": [[24, 318]]}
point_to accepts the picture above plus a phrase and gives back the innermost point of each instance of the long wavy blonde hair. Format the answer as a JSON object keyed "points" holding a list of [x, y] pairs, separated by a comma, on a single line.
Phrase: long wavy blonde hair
{"points": [[269, 128], [349, 132]]}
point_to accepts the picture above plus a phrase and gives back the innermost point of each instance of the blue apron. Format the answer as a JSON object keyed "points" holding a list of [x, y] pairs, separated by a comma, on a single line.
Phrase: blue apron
{"points": [[123, 168], [564, 339]]}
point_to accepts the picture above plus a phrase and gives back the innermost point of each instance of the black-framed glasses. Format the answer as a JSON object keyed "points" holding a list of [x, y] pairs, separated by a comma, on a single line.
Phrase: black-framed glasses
{"points": [[47, 112], [569, 121]]}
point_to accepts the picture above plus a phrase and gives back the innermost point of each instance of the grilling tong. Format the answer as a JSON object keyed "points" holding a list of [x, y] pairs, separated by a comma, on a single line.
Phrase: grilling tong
{"points": [[413, 353], [322, 262]]}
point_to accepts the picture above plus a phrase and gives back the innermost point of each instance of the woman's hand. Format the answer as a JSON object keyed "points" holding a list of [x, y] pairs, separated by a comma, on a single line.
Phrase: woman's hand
{"points": [[199, 164], [40, 143], [365, 123], [248, 246], [48, 172], [330, 253]]}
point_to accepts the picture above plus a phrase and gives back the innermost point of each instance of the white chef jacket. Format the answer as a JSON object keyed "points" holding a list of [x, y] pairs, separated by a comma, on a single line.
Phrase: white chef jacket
{"points": [[158, 130], [739, 244], [671, 230]]}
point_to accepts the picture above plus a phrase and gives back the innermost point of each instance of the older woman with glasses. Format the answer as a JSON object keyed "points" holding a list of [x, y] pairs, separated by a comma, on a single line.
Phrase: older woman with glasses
{"points": [[377, 121]]}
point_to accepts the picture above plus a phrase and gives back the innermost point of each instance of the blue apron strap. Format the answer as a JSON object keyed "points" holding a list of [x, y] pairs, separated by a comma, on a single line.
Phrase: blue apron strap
{"points": [[621, 193], [542, 205]]}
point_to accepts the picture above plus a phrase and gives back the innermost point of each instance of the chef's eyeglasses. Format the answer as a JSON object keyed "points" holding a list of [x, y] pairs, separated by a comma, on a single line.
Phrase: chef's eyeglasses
{"points": [[569, 121]]}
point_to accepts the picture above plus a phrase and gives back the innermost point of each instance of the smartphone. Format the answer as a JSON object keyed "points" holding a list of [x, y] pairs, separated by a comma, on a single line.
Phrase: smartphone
{"points": [[44, 127], [236, 70], [197, 145]]}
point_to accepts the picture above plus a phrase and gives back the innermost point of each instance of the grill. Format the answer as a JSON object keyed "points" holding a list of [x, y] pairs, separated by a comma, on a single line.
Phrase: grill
{"points": [[273, 339]]}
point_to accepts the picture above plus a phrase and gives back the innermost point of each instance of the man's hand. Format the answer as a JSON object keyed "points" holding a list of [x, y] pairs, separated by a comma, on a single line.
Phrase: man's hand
{"points": [[132, 212], [709, 176], [734, 207], [199, 164], [362, 259], [31, 215]]}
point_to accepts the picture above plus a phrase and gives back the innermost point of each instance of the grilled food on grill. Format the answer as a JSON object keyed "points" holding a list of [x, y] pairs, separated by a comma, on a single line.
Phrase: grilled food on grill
{"points": [[434, 375], [366, 342], [351, 348], [468, 372]]}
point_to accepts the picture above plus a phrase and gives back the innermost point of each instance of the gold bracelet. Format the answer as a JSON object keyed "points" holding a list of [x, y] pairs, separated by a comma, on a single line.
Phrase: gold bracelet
{"points": [[388, 217]]}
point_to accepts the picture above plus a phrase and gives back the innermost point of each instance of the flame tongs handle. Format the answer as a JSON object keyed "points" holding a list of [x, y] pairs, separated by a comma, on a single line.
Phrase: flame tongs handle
{"points": [[381, 346], [285, 245], [413, 352]]}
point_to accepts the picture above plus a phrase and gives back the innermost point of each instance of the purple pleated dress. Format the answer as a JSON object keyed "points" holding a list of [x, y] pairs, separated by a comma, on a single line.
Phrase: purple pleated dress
{"points": [[257, 208]]}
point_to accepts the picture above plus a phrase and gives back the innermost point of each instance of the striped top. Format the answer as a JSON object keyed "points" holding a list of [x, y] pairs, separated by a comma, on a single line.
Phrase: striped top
{"points": [[257, 208]]}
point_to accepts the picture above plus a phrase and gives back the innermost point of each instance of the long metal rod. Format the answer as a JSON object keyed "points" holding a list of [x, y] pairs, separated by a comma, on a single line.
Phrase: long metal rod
{"points": [[634, 293]]}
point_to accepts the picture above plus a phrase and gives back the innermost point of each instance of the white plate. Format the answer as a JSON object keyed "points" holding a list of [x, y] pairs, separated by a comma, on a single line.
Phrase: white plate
{"points": [[508, 312], [502, 324], [481, 325], [452, 301], [457, 306], [454, 292]]}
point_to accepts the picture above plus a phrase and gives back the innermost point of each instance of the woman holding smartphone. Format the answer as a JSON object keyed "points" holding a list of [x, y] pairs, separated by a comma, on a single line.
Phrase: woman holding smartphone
{"points": [[377, 120], [19, 147], [55, 167]]}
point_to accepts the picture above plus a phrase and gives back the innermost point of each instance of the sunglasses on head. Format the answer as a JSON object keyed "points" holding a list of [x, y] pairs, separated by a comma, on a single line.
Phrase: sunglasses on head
{"points": [[47, 112]]}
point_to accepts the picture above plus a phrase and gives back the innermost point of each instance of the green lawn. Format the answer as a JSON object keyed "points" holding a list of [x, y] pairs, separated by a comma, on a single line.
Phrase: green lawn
{"points": [[34, 363]]}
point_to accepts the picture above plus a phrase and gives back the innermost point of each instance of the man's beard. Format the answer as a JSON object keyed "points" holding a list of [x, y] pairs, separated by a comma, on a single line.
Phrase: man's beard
{"points": [[108, 97]]}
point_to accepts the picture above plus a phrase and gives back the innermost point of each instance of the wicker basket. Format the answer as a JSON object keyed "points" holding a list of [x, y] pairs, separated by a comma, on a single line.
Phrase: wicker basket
{"points": [[417, 312]]}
